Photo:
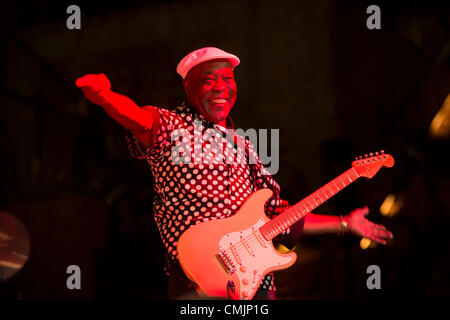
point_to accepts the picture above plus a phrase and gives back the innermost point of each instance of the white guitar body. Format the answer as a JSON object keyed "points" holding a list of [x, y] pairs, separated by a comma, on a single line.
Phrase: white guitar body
{"points": [[228, 258]]}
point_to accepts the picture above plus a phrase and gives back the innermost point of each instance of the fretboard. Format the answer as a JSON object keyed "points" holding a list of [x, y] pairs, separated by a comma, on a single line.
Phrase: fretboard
{"points": [[283, 221]]}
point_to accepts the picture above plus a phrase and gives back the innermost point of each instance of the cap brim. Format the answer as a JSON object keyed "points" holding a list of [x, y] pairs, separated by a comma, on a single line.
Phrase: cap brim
{"points": [[234, 61]]}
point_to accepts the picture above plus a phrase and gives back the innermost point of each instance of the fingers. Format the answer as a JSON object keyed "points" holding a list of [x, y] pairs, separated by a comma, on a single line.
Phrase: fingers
{"points": [[374, 232], [363, 227], [386, 234], [86, 80], [97, 82], [383, 234], [89, 93], [379, 227], [94, 86], [379, 235], [103, 82], [381, 230], [360, 211], [365, 210], [95, 97], [378, 240], [375, 236]]}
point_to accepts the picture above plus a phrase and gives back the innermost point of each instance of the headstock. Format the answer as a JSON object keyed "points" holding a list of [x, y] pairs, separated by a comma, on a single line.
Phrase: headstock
{"points": [[369, 165]]}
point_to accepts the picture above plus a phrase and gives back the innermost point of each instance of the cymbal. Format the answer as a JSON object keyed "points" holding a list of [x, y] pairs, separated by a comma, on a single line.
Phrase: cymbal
{"points": [[14, 245]]}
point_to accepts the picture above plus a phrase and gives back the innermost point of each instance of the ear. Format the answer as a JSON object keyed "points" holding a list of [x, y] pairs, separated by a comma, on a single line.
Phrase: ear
{"points": [[187, 85]]}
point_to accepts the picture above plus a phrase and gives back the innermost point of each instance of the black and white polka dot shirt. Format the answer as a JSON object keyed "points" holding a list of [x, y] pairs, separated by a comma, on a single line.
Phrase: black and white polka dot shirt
{"points": [[200, 174]]}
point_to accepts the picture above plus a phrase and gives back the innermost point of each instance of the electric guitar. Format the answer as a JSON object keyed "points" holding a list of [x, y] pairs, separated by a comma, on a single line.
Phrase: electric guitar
{"points": [[228, 258]]}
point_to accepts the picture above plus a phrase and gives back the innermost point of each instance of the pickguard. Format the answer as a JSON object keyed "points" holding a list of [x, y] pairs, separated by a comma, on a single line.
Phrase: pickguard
{"points": [[251, 256]]}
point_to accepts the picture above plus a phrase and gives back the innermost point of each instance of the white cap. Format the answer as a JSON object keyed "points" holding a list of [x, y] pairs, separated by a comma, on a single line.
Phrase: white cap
{"points": [[201, 55]]}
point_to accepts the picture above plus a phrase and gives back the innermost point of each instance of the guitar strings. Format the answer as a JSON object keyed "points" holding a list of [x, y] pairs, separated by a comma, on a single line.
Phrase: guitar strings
{"points": [[239, 247], [250, 241], [251, 238]]}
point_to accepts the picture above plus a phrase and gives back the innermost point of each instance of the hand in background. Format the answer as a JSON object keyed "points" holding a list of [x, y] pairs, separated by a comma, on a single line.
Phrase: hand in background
{"points": [[359, 225]]}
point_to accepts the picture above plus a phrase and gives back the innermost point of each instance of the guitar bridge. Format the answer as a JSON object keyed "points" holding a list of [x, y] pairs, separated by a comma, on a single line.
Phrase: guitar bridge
{"points": [[226, 263]]}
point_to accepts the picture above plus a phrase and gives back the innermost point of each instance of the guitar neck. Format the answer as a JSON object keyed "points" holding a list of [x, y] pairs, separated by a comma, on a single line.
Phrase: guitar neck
{"points": [[283, 221]]}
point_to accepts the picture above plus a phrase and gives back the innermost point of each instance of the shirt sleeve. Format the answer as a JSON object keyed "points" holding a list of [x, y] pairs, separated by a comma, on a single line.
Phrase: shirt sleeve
{"points": [[159, 137]]}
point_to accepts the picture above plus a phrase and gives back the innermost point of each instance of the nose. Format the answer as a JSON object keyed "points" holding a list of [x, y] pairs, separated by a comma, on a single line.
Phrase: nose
{"points": [[220, 85]]}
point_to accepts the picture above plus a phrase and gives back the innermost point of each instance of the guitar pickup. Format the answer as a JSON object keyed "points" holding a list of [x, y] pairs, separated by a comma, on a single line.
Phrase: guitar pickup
{"points": [[260, 238], [246, 246], [226, 263]]}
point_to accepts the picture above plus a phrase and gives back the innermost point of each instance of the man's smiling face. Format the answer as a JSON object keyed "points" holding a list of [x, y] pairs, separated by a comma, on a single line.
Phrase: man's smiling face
{"points": [[211, 89]]}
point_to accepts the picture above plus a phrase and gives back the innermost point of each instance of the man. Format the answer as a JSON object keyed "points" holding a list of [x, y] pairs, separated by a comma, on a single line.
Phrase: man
{"points": [[193, 187]]}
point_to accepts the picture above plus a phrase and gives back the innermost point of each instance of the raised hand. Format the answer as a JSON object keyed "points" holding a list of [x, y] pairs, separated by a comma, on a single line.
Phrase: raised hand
{"points": [[359, 225], [95, 87]]}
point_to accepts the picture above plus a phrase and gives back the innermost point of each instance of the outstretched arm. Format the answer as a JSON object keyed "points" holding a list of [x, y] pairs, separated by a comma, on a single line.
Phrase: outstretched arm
{"points": [[356, 224], [97, 89]]}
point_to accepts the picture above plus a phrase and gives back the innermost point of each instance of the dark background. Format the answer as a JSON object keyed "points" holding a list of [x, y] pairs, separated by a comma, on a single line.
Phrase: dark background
{"points": [[312, 69]]}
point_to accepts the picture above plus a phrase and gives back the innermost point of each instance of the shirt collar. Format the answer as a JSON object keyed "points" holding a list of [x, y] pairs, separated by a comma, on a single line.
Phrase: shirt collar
{"points": [[198, 116]]}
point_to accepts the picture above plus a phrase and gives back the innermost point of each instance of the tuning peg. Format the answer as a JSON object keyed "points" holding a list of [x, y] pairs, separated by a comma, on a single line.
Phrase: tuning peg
{"points": [[365, 156], [382, 151], [371, 154], [376, 153]]}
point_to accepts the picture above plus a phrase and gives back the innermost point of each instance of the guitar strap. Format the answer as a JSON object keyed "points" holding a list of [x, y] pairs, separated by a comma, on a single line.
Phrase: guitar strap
{"points": [[256, 168], [259, 172]]}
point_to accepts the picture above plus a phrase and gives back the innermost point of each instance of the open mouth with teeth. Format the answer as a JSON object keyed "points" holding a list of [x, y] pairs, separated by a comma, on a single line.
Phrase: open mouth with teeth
{"points": [[218, 100]]}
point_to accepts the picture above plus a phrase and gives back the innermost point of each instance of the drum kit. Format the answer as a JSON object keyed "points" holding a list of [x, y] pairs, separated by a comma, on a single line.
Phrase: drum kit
{"points": [[14, 245]]}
